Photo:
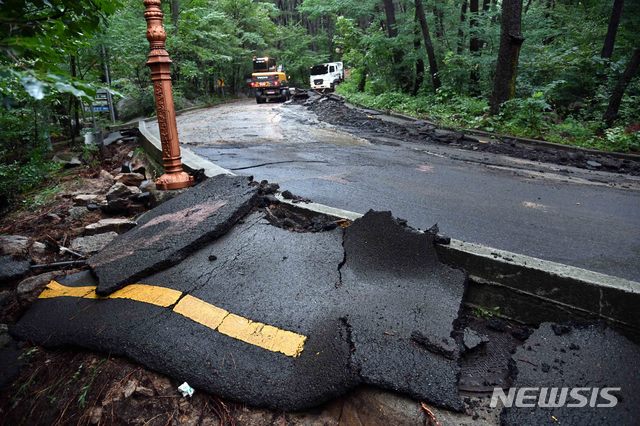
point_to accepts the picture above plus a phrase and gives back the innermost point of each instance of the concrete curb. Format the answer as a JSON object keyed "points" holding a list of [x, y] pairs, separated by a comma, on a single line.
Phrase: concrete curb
{"points": [[524, 141], [191, 161], [527, 289]]}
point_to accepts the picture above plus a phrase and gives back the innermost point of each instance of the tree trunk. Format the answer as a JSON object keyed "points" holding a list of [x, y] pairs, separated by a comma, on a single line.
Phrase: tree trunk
{"points": [[630, 71], [463, 13], [439, 15], [362, 83], [474, 45], [390, 12], [433, 65], [75, 104], [474, 42], [419, 62], [175, 14], [614, 22], [504, 84], [402, 71]]}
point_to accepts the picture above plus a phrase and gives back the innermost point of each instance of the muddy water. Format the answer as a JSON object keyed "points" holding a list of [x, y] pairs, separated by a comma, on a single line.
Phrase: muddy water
{"points": [[245, 122]]}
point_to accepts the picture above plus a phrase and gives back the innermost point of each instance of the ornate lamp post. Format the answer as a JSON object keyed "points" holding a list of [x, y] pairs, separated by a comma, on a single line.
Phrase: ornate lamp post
{"points": [[174, 177]]}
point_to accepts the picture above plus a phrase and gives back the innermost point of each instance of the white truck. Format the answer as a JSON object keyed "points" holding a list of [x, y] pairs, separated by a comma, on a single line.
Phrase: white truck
{"points": [[326, 76]]}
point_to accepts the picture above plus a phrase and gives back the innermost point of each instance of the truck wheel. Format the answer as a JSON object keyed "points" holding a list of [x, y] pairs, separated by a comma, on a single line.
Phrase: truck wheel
{"points": [[259, 100]]}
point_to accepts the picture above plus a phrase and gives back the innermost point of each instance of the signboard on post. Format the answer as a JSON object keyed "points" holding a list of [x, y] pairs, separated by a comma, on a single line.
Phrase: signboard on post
{"points": [[102, 103]]}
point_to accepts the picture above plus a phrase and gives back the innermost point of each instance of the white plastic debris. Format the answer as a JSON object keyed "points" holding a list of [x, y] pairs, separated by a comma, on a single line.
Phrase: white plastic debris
{"points": [[186, 390]]}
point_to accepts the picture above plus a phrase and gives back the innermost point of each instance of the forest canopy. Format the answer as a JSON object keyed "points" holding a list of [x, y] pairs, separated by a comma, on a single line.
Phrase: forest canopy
{"points": [[560, 70]]}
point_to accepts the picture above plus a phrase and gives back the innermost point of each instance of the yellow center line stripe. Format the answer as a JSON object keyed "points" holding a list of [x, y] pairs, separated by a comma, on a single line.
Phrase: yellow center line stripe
{"points": [[55, 289], [255, 333], [154, 295], [159, 296]]}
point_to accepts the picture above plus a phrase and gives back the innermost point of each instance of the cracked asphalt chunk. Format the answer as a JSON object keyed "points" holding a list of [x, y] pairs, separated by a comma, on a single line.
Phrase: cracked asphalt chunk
{"points": [[267, 323], [170, 232], [393, 274], [577, 357]]}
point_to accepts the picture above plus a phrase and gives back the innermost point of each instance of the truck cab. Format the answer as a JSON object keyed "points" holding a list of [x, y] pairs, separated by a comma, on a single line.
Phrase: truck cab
{"points": [[326, 76]]}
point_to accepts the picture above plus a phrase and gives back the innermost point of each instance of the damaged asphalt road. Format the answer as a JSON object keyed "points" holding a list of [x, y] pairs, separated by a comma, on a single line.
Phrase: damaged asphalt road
{"points": [[287, 319], [577, 357], [351, 302], [559, 213]]}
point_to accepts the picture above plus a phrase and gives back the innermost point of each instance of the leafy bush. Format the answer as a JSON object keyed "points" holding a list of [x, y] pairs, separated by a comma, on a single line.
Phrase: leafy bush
{"points": [[16, 178], [531, 117]]}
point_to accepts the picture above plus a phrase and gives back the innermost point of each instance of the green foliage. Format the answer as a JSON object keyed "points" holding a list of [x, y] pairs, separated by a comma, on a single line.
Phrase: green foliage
{"points": [[530, 117], [481, 312], [16, 179]]}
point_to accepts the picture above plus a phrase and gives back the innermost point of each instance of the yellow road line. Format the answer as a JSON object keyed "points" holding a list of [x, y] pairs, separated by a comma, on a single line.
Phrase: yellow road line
{"points": [[200, 311], [55, 289], [154, 295], [255, 333]]}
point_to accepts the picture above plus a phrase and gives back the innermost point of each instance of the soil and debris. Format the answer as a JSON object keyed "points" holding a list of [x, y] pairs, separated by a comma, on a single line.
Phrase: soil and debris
{"points": [[76, 214], [332, 109]]}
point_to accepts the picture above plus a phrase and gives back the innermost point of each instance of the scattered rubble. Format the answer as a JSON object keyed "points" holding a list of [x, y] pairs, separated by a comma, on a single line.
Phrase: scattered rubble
{"points": [[117, 225], [86, 199], [130, 179], [12, 269], [120, 191], [472, 339], [77, 213], [163, 238], [93, 243], [300, 220], [333, 110], [287, 195], [18, 245], [29, 288]]}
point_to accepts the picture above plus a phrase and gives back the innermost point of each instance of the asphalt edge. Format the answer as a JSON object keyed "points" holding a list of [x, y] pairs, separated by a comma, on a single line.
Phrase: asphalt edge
{"points": [[526, 287]]}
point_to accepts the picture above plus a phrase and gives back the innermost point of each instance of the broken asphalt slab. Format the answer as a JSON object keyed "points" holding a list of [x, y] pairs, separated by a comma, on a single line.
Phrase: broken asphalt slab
{"points": [[586, 357], [280, 319], [170, 232]]}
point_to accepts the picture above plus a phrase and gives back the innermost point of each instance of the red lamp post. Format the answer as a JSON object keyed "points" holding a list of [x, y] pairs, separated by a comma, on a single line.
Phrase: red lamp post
{"points": [[174, 177]]}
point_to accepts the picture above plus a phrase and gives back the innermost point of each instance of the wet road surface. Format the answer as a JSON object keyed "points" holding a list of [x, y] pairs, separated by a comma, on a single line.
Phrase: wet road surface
{"points": [[516, 205]]}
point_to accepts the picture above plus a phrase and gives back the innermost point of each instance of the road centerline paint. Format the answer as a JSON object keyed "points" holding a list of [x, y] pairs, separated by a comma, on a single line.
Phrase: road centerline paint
{"points": [[255, 333]]}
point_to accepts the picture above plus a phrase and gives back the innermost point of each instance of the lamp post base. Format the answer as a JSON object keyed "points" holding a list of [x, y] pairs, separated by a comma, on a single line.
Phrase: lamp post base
{"points": [[177, 180]]}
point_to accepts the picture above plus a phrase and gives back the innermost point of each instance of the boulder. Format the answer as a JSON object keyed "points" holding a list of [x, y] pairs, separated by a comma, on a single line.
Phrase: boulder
{"points": [[121, 191], [130, 179], [86, 199], [92, 243], [77, 213], [32, 286], [105, 175], [12, 269], [17, 245], [109, 225]]}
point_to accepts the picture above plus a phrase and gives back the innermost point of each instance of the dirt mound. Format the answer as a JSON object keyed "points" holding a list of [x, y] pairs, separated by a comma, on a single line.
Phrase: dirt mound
{"points": [[364, 123]]}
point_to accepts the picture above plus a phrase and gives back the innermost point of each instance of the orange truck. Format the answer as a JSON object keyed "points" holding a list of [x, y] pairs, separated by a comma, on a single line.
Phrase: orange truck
{"points": [[268, 81]]}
